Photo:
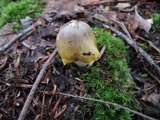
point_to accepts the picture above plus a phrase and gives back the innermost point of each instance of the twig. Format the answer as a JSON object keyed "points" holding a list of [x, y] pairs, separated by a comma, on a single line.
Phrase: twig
{"points": [[17, 85], [102, 51], [102, 2], [27, 34], [53, 92], [35, 85], [9, 33], [56, 106], [110, 103], [121, 24], [61, 112], [143, 53], [25, 31], [43, 105]]}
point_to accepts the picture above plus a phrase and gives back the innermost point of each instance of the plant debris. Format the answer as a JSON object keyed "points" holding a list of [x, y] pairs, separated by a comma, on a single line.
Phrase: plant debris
{"points": [[34, 84]]}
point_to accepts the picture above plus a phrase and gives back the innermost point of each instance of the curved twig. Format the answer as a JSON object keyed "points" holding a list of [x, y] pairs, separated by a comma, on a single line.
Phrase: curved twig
{"points": [[36, 83], [143, 53], [110, 103], [25, 31]]}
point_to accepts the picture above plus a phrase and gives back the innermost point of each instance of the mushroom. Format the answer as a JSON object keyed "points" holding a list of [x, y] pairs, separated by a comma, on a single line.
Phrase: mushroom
{"points": [[76, 42]]}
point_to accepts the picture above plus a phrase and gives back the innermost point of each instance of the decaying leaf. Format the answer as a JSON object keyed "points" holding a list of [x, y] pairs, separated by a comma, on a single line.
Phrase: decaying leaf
{"points": [[26, 22], [143, 23], [150, 109], [6, 35], [154, 98], [131, 23], [103, 14], [67, 8]]}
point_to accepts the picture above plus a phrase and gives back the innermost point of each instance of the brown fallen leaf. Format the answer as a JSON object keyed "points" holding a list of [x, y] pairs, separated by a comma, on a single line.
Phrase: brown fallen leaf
{"points": [[20, 80], [18, 59], [131, 23], [100, 17], [142, 23], [6, 35], [63, 8]]}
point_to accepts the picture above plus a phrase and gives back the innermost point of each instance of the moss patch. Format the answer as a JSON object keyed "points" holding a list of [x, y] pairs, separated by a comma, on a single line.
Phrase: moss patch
{"points": [[156, 21], [13, 11], [110, 80]]}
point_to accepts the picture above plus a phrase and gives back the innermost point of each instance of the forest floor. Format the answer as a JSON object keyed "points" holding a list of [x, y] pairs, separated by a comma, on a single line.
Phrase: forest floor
{"points": [[123, 84]]}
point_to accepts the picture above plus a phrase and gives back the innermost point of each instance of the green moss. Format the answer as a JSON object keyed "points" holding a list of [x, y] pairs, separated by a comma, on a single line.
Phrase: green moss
{"points": [[14, 11], [110, 80], [156, 22], [142, 45]]}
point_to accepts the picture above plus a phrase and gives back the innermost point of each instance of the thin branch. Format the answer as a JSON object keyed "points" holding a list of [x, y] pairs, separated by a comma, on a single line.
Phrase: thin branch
{"points": [[121, 24], [102, 2], [110, 103], [9, 33], [25, 31], [150, 73], [143, 53], [35, 85], [17, 85], [102, 52]]}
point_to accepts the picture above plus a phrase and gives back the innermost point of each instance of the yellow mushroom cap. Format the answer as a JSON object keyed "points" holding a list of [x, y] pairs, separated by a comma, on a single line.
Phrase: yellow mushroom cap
{"points": [[76, 42]]}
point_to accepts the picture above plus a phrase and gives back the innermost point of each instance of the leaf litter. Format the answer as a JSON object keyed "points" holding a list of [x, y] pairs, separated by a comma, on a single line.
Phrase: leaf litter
{"points": [[21, 63]]}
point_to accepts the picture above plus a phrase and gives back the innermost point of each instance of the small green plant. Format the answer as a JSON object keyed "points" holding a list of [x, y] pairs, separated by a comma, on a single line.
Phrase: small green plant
{"points": [[156, 22], [14, 11], [110, 80]]}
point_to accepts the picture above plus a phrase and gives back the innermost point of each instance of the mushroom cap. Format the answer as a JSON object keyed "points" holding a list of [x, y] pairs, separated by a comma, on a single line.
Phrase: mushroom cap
{"points": [[76, 42]]}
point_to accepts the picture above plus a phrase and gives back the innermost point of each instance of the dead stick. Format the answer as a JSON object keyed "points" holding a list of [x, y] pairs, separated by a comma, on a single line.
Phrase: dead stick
{"points": [[109, 103], [101, 52], [56, 105], [35, 85], [143, 53], [25, 31], [102, 2]]}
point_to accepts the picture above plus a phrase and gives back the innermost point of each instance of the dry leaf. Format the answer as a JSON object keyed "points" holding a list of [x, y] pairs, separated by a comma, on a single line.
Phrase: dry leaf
{"points": [[150, 20], [100, 17], [88, 2], [154, 98], [154, 46], [103, 13], [122, 5], [29, 45], [67, 8], [131, 23], [6, 35], [26, 22], [142, 23]]}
